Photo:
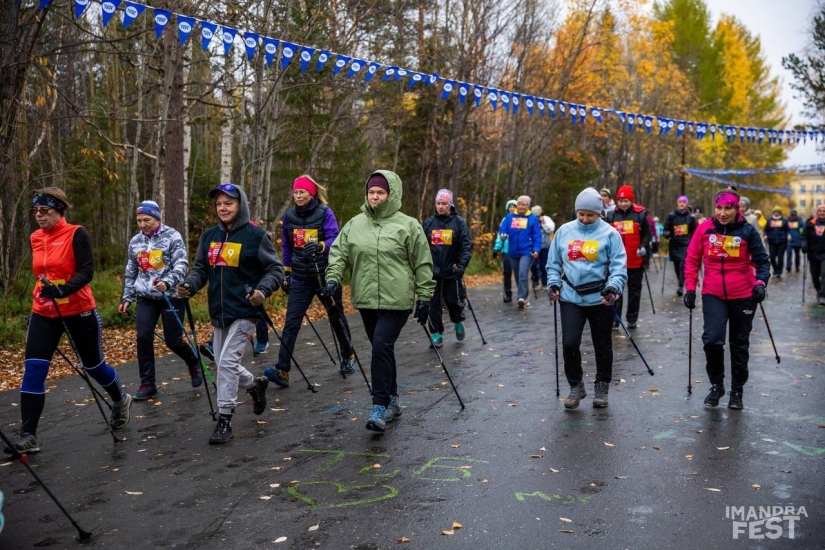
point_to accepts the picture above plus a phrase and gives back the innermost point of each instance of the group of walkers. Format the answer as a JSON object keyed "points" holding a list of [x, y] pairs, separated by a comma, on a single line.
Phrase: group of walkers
{"points": [[397, 267]]}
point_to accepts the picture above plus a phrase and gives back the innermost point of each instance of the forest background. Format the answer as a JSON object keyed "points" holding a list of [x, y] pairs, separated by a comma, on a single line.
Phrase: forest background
{"points": [[115, 116]]}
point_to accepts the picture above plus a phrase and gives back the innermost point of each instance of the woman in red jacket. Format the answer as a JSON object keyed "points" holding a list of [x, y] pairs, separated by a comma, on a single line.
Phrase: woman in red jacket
{"points": [[62, 253], [736, 273]]}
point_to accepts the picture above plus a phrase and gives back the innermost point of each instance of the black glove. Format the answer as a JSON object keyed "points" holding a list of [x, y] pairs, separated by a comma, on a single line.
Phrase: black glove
{"points": [[495, 254], [610, 294], [760, 292], [422, 311], [458, 271], [330, 289], [52, 291], [312, 248], [690, 299], [551, 290]]}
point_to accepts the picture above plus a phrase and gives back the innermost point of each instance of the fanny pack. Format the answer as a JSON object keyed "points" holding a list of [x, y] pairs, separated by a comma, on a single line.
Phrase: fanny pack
{"points": [[586, 288]]}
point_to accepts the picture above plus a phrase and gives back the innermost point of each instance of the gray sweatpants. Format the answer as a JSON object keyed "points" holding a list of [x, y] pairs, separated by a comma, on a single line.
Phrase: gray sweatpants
{"points": [[230, 345]]}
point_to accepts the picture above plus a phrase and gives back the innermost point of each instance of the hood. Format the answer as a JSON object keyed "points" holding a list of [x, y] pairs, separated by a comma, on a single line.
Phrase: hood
{"points": [[243, 214], [393, 202], [507, 205]]}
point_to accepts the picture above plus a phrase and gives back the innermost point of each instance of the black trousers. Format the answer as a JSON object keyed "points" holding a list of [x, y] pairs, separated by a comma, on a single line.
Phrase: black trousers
{"points": [[573, 318], [817, 274], [633, 290], [718, 314], [449, 289], [383, 329], [508, 277], [148, 312], [794, 252], [777, 253], [679, 268]]}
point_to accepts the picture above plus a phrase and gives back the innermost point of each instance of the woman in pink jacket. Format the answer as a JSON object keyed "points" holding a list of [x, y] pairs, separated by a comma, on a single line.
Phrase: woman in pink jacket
{"points": [[736, 273]]}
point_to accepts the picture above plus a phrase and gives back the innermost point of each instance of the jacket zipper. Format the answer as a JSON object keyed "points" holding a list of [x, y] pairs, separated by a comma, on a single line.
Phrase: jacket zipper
{"points": [[724, 282]]}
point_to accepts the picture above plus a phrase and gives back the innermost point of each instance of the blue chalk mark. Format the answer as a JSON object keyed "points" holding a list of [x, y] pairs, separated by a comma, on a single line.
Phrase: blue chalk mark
{"points": [[331, 410]]}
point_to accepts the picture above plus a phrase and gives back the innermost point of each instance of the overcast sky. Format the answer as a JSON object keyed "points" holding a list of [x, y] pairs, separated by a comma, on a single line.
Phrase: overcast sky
{"points": [[783, 27]]}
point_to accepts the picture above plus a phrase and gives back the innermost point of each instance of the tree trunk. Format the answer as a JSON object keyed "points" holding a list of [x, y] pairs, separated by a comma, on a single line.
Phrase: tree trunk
{"points": [[173, 172]]}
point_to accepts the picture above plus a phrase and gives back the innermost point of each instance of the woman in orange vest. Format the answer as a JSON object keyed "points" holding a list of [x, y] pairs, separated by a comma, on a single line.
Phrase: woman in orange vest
{"points": [[62, 253]]}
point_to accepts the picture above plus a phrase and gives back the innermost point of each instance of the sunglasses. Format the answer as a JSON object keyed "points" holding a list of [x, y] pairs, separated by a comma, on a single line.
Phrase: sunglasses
{"points": [[226, 187], [42, 210]]}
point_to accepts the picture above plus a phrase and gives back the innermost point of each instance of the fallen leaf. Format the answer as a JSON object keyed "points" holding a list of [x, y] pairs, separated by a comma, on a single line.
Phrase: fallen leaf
{"points": [[657, 448], [465, 467], [277, 468], [265, 497], [621, 477], [756, 486], [653, 390], [609, 444], [484, 481], [765, 394], [500, 385], [535, 456], [622, 381], [274, 485], [158, 403], [314, 527], [512, 405], [134, 492], [543, 449], [592, 484], [376, 466], [279, 539], [402, 540], [566, 520], [457, 525], [554, 470], [455, 446], [448, 532], [287, 458], [786, 471], [565, 531], [722, 448], [712, 489], [694, 416], [689, 457]]}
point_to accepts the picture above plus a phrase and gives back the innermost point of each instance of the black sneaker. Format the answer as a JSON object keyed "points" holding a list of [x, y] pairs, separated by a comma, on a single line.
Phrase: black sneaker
{"points": [[120, 413], [206, 351], [223, 431], [615, 325], [716, 393], [508, 299], [258, 393], [146, 391], [632, 325], [26, 444], [735, 400], [679, 291], [600, 396]]}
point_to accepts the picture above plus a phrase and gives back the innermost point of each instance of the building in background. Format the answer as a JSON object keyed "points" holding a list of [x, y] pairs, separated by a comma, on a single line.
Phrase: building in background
{"points": [[808, 192]]}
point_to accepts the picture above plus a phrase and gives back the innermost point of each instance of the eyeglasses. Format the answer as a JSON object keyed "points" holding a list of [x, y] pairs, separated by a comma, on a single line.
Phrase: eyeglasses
{"points": [[42, 210]]}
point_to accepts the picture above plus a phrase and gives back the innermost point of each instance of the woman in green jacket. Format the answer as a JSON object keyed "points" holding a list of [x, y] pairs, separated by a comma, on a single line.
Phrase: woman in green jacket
{"points": [[390, 264]]}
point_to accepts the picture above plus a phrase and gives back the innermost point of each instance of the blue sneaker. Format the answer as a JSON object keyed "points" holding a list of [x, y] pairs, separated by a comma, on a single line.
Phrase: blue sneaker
{"points": [[277, 376], [260, 347], [437, 340], [195, 375], [393, 410], [459, 331], [146, 391], [376, 420]]}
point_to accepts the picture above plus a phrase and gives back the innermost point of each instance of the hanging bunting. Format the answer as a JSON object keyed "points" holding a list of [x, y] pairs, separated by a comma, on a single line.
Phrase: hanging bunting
{"points": [[515, 99], [109, 7], [574, 112], [478, 94], [596, 114], [355, 67], [389, 73], [306, 56], [492, 97], [340, 62], [551, 106], [132, 11], [371, 70], [528, 104], [208, 32], [540, 105], [680, 128], [701, 130], [761, 136], [270, 49], [713, 132], [323, 57], [43, 4], [562, 108], [648, 124], [504, 97], [161, 20], [250, 40], [662, 124], [415, 79], [79, 7], [631, 121], [463, 90], [432, 79], [287, 53], [447, 88], [185, 27], [400, 73], [228, 37]]}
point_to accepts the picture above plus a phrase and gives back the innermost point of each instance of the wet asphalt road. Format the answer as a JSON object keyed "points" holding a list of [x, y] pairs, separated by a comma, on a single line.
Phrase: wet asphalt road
{"points": [[654, 470]]}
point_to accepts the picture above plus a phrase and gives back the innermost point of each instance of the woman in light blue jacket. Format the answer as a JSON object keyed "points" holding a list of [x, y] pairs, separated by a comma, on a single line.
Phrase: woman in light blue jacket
{"points": [[586, 271]]}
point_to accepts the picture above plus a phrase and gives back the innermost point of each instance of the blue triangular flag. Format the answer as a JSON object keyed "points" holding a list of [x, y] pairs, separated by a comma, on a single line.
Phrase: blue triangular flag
{"points": [[713, 131], [208, 32], [492, 97], [661, 123], [355, 67], [463, 90], [761, 135], [323, 57], [389, 73], [109, 7], [432, 79], [228, 36], [701, 130], [540, 105], [287, 53], [161, 20], [132, 11], [680, 128], [478, 94], [631, 120], [648, 123], [529, 103], [43, 4], [504, 97], [306, 56], [371, 70], [270, 49], [621, 116], [551, 106], [515, 99], [185, 27], [582, 114], [563, 107], [596, 113], [574, 112], [400, 73], [79, 7], [670, 124], [250, 40], [340, 62], [415, 79], [447, 88], [741, 135]]}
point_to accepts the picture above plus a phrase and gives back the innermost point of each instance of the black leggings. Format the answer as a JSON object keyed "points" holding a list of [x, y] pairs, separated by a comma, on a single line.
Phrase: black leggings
{"points": [[450, 290], [383, 329], [736, 318], [573, 318]]}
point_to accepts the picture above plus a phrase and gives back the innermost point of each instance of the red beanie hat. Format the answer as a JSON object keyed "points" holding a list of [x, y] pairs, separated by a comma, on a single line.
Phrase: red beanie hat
{"points": [[625, 192], [303, 182]]}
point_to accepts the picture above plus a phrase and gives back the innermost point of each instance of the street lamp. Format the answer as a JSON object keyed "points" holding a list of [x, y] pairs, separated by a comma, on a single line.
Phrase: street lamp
{"points": [[684, 137]]}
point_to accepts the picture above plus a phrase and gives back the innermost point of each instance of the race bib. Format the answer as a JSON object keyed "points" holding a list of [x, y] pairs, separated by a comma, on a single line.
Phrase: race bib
{"points": [[819, 230], [776, 223], [626, 227], [793, 225], [224, 254], [46, 301], [724, 247], [302, 236], [441, 237], [582, 251], [150, 259], [680, 230], [518, 223]]}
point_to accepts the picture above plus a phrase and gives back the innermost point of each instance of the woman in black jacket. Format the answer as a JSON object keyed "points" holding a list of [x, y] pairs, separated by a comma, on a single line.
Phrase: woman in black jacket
{"points": [[679, 228]]}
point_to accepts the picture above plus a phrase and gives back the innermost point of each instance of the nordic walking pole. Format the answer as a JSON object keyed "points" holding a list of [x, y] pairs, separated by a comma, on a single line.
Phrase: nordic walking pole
{"points": [[158, 336], [664, 271], [326, 349], [556, 334], [331, 311], [804, 275], [619, 319], [192, 343], [443, 366], [690, 350], [765, 317], [650, 294], [78, 371], [23, 458], [85, 375], [204, 370], [470, 305]]}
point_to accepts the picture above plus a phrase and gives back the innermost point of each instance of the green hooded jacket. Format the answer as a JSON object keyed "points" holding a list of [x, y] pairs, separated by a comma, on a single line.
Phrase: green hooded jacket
{"points": [[387, 253]]}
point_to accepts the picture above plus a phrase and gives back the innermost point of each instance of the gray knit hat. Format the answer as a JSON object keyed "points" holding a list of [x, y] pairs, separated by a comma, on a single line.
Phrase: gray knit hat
{"points": [[589, 200]]}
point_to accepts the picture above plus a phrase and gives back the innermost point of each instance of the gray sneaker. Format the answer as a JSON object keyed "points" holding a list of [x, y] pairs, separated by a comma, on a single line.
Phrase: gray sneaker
{"points": [[577, 393], [120, 413], [393, 409], [376, 420], [26, 444], [600, 397]]}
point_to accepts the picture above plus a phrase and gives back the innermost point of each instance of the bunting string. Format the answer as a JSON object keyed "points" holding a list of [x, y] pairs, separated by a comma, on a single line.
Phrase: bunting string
{"points": [[514, 103], [736, 184], [755, 171]]}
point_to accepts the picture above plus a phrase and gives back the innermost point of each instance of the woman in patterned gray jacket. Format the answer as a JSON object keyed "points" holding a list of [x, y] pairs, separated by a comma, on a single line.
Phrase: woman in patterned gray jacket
{"points": [[156, 264]]}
